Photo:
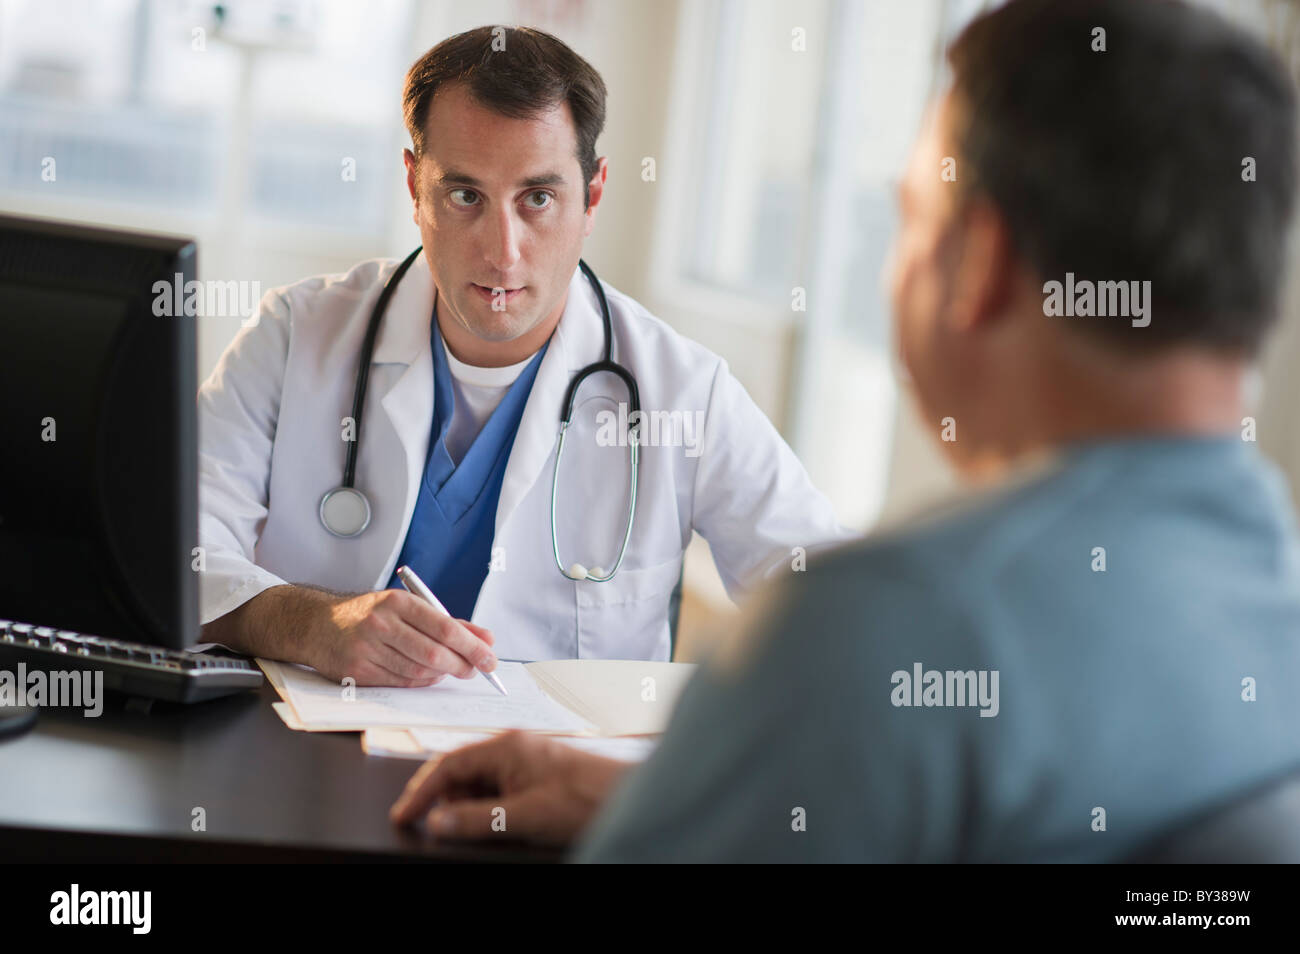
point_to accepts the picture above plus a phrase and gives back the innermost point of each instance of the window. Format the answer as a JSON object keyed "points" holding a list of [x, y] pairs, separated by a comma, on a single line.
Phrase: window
{"points": [[753, 161], [801, 120], [265, 113]]}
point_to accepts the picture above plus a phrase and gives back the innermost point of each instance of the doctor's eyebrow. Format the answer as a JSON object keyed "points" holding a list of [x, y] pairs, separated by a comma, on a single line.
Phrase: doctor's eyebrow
{"points": [[455, 177]]}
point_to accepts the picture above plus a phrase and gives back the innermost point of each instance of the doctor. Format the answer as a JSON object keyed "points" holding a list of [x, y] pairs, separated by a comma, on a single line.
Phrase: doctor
{"points": [[328, 467]]}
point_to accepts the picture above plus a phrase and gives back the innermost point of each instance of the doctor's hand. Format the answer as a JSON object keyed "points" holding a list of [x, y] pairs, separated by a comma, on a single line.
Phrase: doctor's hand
{"points": [[392, 638], [544, 791]]}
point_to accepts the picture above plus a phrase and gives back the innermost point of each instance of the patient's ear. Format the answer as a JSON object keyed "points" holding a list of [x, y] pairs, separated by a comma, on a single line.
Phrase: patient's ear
{"points": [[986, 268]]}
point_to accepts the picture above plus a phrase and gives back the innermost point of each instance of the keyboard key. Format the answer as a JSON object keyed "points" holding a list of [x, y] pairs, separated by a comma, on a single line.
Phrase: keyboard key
{"points": [[152, 671]]}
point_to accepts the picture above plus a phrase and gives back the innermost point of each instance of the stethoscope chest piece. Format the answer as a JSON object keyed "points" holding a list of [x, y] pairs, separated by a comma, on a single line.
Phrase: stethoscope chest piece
{"points": [[345, 511]]}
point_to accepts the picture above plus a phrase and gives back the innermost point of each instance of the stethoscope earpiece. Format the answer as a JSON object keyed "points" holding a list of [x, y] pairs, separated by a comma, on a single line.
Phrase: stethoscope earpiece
{"points": [[580, 572]]}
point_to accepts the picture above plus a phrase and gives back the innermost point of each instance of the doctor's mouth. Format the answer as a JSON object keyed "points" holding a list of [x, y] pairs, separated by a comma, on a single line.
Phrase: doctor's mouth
{"points": [[498, 297]]}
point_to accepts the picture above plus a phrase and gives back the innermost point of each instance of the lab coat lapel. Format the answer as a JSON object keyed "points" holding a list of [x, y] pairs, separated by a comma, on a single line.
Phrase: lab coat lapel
{"points": [[404, 332], [404, 339], [578, 341]]}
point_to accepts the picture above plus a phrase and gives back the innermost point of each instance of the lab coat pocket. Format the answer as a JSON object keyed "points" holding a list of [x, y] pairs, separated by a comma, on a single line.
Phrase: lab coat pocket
{"points": [[627, 618]]}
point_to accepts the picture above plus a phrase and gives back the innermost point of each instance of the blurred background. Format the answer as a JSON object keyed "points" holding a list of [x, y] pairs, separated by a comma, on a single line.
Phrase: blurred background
{"points": [[777, 131]]}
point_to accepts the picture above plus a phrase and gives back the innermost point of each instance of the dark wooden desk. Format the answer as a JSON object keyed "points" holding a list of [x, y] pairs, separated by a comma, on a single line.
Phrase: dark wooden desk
{"points": [[123, 787]]}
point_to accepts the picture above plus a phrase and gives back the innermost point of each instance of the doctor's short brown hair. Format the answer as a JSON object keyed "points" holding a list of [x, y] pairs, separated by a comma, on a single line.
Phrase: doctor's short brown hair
{"points": [[517, 72]]}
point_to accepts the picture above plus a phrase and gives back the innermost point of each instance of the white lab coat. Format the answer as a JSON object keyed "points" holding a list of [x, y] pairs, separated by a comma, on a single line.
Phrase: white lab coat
{"points": [[271, 444]]}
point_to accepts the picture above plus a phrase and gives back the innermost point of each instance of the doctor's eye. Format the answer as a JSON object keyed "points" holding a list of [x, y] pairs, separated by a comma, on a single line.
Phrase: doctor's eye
{"points": [[545, 197], [464, 197]]}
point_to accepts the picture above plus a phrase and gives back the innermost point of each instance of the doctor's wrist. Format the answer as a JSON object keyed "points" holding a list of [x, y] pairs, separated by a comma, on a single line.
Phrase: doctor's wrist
{"points": [[275, 624], [299, 620]]}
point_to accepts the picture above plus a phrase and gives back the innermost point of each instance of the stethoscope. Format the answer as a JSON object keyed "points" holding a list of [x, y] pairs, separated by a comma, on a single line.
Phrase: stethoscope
{"points": [[345, 510]]}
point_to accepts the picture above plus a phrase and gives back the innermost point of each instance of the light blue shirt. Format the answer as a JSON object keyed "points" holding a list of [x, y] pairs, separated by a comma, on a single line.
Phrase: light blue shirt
{"points": [[1124, 693]]}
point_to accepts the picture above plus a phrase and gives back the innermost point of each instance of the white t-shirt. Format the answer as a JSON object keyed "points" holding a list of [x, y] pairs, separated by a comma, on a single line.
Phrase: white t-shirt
{"points": [[478, 391]]}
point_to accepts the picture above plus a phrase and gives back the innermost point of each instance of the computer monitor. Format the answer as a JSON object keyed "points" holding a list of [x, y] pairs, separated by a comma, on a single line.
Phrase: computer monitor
{"points": [[98, 472]]}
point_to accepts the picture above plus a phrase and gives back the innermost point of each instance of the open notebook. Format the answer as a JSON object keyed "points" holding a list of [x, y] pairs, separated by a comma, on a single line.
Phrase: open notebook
{"points": [[574, 697]]}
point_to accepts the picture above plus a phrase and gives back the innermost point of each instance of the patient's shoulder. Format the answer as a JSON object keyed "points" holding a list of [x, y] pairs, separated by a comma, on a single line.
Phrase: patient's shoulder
{"points": [[940, 578]]}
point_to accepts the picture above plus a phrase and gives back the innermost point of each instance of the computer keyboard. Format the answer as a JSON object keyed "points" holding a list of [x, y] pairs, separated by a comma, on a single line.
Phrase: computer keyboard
{"points": [[133, 668]]}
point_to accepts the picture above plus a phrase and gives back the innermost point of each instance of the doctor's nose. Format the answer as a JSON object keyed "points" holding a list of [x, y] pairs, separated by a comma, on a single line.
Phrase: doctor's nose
{"points": [[502, 242]]}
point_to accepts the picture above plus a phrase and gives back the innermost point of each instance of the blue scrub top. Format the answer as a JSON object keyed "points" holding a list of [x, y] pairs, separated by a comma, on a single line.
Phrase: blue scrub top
{"points": [[449, 541]]}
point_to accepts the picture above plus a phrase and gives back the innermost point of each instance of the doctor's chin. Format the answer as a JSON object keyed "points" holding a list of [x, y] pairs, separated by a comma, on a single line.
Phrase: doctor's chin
{"points": [[650, 431]]}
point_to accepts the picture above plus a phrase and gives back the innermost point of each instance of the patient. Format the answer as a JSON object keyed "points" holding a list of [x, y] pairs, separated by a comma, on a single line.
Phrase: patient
{"points": [[1106, 642]]}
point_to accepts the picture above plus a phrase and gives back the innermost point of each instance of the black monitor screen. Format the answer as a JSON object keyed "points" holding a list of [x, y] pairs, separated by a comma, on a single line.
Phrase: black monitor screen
{"points": [[98, 516]]}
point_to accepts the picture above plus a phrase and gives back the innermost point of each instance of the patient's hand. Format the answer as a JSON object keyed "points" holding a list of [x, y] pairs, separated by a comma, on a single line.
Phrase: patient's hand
{"points": [[541, 790]]}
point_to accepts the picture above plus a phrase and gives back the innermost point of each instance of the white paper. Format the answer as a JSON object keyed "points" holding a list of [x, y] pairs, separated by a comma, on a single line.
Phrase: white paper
{"points": [[462, 703], [622, 696], [391, 743], [625, 748]]}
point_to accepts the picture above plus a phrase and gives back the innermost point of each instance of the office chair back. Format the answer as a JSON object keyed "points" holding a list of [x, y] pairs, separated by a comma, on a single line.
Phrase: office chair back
{"points": [[1263, 827], [675, 611]]}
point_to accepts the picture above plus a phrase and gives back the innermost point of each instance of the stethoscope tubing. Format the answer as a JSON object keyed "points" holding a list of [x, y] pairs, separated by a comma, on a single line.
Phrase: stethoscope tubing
{"points": [[605, 365]]}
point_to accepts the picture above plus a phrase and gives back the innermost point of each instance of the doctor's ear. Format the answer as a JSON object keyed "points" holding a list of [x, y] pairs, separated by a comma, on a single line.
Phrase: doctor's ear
{"points": [[412, 176], [595, 190]]}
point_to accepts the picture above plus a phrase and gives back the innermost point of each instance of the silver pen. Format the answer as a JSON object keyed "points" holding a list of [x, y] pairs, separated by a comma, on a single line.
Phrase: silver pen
{"points": [[416, 586]]}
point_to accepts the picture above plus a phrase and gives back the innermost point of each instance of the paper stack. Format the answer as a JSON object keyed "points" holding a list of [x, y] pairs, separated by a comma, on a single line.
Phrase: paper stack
{"points": [[613, 707]]}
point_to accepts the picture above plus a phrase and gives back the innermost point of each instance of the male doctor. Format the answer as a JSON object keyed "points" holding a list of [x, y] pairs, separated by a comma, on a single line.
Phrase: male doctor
{"points": [[456, 442]]}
